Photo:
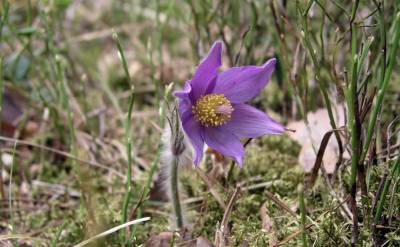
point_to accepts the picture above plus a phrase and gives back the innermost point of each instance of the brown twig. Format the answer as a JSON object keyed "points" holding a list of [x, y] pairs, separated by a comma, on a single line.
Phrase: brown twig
{"points": [[138, 204], [241, 46], [62, 153], [223, 231], [320, 156], [293, 235], [279, 203]]}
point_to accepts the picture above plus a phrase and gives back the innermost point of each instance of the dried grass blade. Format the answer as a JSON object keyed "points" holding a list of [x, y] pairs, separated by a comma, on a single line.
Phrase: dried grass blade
{"points": [[112, 230]]}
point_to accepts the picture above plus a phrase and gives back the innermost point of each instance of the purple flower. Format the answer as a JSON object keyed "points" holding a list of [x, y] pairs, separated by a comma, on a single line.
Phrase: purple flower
{"points": [[212, 106]]}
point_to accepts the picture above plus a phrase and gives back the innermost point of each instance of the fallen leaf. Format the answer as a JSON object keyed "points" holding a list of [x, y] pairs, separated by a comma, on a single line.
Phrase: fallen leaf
{"points": [[267, 224], [12, 111], [310, 138]]}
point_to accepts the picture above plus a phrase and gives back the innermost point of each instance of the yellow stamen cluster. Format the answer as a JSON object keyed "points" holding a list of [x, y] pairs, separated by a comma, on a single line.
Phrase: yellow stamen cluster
{"points": [[206, 110]]}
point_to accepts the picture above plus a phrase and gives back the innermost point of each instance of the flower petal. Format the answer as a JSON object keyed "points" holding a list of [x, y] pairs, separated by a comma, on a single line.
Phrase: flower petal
{"points": [[241, 84], [247, 121], [190, 126], [223, 141], [186, 93], [193, 130], [207, 70]]}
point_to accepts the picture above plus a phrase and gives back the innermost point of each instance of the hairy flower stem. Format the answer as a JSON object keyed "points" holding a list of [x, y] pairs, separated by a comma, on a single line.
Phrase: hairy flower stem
{"points": [[176, 203], [175, 147], [177, 150]]}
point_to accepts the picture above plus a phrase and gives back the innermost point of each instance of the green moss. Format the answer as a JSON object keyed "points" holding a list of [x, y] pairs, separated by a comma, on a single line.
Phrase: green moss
{"points": [[271, 158], [246, 221], [250, 232], [209, 217], [282, 144], [331, 233]]}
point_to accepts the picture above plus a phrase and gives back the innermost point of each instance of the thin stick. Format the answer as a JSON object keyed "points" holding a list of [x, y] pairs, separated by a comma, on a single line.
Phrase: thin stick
{"points": [[280, 203], [62, 153], [18, 236], [112, 230], [221, 234]]}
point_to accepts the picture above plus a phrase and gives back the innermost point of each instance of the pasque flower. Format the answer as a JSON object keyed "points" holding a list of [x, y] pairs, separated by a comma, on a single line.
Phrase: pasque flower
{"points": [[213, 109]]}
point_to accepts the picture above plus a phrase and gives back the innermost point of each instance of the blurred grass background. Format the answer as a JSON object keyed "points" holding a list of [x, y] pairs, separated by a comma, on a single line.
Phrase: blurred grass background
{"points": [[65, 95]]}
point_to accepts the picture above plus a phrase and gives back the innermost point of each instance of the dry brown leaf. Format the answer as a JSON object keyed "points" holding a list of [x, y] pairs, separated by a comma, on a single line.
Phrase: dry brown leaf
{"points": [[310, 138], [11, 113], [268, 225]]}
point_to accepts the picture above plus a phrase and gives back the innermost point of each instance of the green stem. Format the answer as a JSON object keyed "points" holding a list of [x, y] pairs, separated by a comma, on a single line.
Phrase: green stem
{"points": [[385, 190], [175, 193], [128, 143], [303, 214], [128, 139], [10, 192], [160, 54], [364, 55], [321, 83], [6, 8], [354, 11], [382, 88], [352, 106], [1, 92], [2, 192]]}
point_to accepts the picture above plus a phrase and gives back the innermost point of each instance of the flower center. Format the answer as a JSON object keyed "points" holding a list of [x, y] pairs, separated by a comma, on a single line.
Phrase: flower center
{"points": [[212, 110]]}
